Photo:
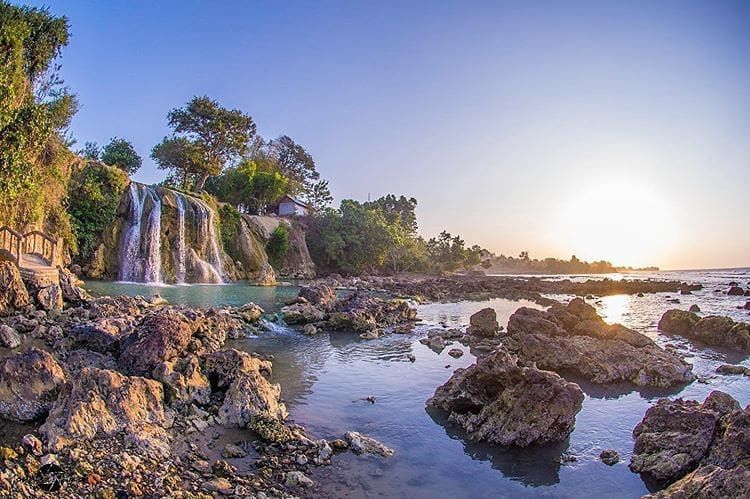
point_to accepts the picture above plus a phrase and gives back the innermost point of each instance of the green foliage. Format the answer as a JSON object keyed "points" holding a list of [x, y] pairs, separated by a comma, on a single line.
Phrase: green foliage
{"points": [[230, 222], [206, 138], [122, 154], [35, 109], [397, 210], [319, 196], [294, 163], [94, 196], [449, 253], [278, 246], [251, 186], [90, 151]]}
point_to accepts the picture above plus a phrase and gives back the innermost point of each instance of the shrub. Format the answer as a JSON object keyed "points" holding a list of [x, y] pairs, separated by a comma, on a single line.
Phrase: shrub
{"points": [[230, 220], [278, 245]]}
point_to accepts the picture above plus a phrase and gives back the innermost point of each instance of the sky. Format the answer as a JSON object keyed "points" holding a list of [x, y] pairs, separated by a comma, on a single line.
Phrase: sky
{"points": [[608, 130]]}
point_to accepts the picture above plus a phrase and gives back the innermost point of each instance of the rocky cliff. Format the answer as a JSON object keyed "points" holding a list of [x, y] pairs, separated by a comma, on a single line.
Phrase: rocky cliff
{"points": [[165, 236]]}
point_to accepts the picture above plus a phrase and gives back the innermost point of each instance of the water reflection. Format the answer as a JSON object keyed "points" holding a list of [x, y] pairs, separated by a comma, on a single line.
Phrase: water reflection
{"points": [[534, 466]]}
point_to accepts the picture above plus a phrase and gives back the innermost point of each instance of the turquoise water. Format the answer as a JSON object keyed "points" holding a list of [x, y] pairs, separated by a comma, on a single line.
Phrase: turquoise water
{"points": [[325, 378]]}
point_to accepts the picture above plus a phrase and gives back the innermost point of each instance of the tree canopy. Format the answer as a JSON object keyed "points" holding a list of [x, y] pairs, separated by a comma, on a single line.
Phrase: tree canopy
{"points": [[122, 154]]}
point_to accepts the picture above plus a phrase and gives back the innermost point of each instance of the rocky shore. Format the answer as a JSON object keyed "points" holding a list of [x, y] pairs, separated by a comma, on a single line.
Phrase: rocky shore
{"points": [[131, 397]]}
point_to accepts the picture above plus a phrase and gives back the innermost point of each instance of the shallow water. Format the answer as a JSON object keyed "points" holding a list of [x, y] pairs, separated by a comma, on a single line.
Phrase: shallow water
{"points": [[326, 377]]}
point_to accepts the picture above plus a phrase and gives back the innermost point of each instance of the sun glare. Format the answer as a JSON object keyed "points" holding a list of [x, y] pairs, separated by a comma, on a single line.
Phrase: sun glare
{"points": [[623, 222]]}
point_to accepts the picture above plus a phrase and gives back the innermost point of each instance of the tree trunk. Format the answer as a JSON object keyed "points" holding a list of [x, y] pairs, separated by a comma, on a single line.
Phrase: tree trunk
{"points": [[201, 182]]}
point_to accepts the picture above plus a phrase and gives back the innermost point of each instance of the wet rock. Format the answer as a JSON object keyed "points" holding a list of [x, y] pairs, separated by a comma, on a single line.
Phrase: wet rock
{"points": [[106, 402], [709, 481], [13, 294], [610, 457], [247, 392], [362, 444], [676, 435], [456, 353], [160, 337], [302, 313], [219, 485], [736, 291], [50, 298], [370, 335], [29, 384], [575, 339], [9, 337], [712, 330], [501, 402], [484, 323], [297, 479], [694, 309], [319, 295], [434, 343], [733, 369], [310, 329], [232, 451], [271, 429]]}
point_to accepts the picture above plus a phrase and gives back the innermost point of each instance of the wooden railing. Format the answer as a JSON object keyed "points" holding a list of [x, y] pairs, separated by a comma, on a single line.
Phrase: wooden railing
{"points": [[10, 244], [34, 242]]}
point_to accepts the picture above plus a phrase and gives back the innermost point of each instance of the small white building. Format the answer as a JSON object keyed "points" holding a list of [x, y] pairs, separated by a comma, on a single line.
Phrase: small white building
{"points": [[289, 206]]}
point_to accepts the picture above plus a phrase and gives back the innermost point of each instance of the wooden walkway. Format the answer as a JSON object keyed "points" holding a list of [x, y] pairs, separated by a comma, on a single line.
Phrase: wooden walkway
{"points": [[35, 254]]}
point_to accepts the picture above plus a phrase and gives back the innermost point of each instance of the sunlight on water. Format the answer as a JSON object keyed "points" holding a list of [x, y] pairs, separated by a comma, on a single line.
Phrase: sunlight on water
{"points": [[614, 309]]}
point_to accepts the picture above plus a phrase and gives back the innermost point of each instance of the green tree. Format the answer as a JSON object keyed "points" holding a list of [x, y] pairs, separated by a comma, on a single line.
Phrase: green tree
{"points": [[212, 137], [122, 154], [90, 151], [319, 196], [294, 163], [182, 157], [397, 210], [278, 246]]}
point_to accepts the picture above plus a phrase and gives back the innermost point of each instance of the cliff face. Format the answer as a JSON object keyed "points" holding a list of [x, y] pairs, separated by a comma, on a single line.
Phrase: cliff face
{"points": [[162, 235]]}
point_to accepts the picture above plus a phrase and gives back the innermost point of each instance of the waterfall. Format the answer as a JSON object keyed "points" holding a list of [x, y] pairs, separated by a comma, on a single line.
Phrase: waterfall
{"points": [[181, 251], [193, 249], [152, 272], [131, 241]]}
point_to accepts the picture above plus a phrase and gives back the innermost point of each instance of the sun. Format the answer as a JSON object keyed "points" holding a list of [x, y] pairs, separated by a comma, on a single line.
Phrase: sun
{"points": [[624, 222]]}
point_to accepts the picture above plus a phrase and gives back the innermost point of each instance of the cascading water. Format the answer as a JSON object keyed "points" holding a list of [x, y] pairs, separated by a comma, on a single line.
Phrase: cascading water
{"points": [[131, 243], [192, 247], [181, 251]]}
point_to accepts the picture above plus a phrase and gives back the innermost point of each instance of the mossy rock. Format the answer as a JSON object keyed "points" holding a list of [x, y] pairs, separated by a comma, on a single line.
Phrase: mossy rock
{"points": [[271, 429]]}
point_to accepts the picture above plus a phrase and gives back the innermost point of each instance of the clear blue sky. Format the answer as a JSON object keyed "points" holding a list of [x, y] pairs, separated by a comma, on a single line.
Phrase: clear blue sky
{"points": [[617, 130]]}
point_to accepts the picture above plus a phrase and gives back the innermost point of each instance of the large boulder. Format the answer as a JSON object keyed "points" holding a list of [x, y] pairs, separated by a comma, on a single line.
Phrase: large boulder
{"points": [[160, 337], [703, 448], [712, 330], [499, 401], [247, 392], [101, 335], [29, 384], [13, 293], [736, 291], [100, 401], [319, 295], [574, 339], [9, 337], [484, 323], [183, 381], [50, 297]]}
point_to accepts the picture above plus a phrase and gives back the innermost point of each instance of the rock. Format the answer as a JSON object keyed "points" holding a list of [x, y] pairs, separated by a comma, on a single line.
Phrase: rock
{"points": [[747, 306], [50, 298], [106, 402], [220, 485], [686, 292], [319, 295], [302, 313], [484, 323], [709, 481], [733, 369], [160, 337], [223, 469], [250, 312], [498, 401], [712, 330], [362, 444], [33, 444], [183, 381], [13, 294], [736, 291], [370, 335], [325, 452], [101, 335], [9, 337], [573, 339], [309, 329], [201, 466], [301, 459], [455, 353], [294, 479], [29, 384], [79, 359], [266, 275], [675, 435], [271, 429], [435, 343], [610, 457], [70, 287], [247, 392], [232, 451], [694, 309]]}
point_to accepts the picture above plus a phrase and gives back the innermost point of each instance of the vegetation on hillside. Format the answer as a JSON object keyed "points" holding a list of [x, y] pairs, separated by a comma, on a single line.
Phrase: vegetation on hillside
{"points": [[278, 246], [35, 111], [523, 264]]}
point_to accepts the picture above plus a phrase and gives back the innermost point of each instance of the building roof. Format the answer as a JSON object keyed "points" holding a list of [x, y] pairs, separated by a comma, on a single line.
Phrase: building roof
{"points": [[293, 200]]}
